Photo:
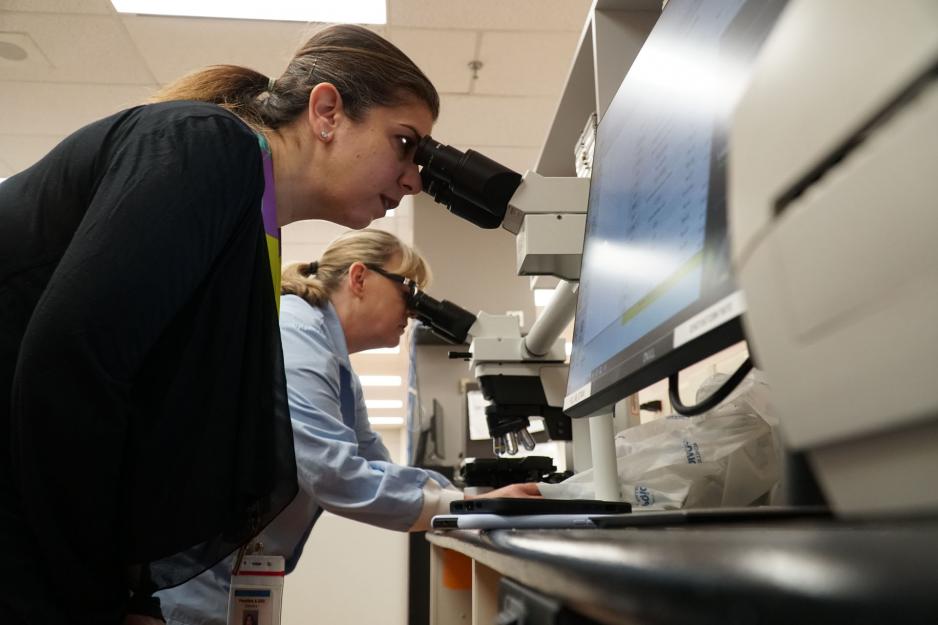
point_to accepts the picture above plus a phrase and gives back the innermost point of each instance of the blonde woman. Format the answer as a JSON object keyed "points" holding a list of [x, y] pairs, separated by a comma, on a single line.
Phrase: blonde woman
{"points": [[354, 298]]}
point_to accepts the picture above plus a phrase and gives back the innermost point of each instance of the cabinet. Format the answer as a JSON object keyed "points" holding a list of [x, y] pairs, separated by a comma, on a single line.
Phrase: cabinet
{"points": [[614, 32]]}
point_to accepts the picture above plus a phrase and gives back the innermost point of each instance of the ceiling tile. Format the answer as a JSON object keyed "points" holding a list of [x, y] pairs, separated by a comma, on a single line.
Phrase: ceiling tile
{"points": [[59, 109], [441, 36], [76, 48], [21, 151], [173, 46], [525, 63], [443, 55], [98, 7], [490, 14], [491, 120]]}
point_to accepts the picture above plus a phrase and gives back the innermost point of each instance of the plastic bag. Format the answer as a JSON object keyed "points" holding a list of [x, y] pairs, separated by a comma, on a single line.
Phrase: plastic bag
{"points": [[725, 457]]}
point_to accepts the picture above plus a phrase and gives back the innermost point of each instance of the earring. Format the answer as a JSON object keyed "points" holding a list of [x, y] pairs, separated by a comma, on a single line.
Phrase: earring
{"points": [[323, 134]]}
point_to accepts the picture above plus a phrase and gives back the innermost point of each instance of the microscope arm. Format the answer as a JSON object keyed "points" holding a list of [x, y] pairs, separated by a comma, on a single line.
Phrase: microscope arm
{"points": [[553, 320]]}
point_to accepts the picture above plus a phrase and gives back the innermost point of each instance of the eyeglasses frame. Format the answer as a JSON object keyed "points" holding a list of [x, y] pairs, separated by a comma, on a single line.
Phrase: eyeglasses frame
{"points": [[404, 281]]}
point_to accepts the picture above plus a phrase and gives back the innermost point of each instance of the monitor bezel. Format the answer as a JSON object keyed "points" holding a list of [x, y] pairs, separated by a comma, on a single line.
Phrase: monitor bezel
{"points": [[725, 335]]}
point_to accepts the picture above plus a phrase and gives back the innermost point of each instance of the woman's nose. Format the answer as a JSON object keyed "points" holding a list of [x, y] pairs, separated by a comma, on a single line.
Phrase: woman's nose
{"points": [[410, 180]]}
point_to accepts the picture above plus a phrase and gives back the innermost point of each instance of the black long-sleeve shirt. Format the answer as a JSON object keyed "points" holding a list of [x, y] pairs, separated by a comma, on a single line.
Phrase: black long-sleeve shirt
{"points": [[143, 421]]}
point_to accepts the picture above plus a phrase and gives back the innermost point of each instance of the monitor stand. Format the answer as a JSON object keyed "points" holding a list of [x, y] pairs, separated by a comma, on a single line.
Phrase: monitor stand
{"points": [[594, 446]]}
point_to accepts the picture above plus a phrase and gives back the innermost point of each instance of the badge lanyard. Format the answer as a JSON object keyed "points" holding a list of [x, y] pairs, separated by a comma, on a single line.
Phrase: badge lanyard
{"points": [[256, 595]]}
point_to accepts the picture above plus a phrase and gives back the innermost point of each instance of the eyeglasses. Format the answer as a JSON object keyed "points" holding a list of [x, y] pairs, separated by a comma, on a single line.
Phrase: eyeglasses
{"points": [[404, 281]]}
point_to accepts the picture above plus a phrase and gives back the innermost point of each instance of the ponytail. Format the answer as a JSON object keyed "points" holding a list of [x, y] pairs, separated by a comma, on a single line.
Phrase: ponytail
{"points": [[230, 86]]}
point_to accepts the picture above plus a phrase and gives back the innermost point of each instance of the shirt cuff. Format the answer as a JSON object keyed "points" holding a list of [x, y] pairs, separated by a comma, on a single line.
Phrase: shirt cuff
{"points": [[436, 501]]}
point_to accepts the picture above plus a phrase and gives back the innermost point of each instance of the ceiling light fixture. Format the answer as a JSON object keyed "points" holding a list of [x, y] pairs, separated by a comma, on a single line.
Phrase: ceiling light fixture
{"points": [[383, 403], [380, 380], [386, 420], [358, 12]]}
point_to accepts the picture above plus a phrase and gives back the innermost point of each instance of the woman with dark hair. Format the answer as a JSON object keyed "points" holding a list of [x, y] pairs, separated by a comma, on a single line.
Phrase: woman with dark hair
{"points": [[144, 428]]}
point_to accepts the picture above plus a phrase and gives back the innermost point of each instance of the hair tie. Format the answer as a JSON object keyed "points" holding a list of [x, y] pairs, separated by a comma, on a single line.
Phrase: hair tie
{"points": [[270, 84], [313, 268]]}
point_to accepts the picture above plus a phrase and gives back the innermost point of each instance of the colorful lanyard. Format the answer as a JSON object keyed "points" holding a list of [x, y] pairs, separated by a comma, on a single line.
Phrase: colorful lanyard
{"points": [[269, 213]]}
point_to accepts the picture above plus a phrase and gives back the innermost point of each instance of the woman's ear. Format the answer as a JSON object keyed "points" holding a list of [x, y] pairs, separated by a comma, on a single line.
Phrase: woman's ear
{"points": [[356, 278], [324, 109]]}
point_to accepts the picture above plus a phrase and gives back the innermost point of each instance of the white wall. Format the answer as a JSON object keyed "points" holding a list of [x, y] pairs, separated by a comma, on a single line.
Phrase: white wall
{"points": [[691, 379], [472, 267], [350, 572]]}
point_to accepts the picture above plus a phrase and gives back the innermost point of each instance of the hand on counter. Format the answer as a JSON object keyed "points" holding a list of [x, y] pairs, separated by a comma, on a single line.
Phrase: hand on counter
{"points": [[526, 490]]}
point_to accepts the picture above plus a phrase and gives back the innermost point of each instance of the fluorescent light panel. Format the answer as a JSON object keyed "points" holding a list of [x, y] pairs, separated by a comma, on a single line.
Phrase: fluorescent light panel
{"points": [[357, 12], [386, 420], [380, 380], [383, 403], [542, 297]]}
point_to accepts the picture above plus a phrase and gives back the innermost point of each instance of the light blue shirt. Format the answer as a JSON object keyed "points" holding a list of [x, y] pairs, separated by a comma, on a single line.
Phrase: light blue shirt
{"points": [[342, 465]]}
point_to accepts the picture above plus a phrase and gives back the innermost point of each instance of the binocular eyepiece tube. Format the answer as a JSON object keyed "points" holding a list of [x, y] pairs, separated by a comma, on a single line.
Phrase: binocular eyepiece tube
{"points": [[444, 318], [469, 184]]}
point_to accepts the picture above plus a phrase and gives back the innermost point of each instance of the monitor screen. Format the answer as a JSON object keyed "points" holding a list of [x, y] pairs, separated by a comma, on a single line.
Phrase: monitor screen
{"points": [[430, 445], [656, 289]]}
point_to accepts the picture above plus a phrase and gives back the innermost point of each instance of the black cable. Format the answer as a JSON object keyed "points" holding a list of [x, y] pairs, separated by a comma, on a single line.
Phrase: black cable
{"points": [[715, 398]]}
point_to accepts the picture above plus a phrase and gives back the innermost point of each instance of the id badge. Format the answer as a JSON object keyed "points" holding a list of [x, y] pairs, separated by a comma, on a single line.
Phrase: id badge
{"points": [[256, 595]]}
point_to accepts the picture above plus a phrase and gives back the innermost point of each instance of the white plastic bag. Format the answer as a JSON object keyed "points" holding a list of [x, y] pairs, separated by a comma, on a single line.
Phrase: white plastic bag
{"points": [[725, 457]]}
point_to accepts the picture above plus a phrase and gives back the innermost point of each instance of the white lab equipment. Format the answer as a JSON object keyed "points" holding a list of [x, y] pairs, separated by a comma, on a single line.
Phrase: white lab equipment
{"points": [[832, 204]]}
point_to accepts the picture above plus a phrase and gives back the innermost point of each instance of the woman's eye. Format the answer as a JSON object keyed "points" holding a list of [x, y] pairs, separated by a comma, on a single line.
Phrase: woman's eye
{"points": [[406, 142]]}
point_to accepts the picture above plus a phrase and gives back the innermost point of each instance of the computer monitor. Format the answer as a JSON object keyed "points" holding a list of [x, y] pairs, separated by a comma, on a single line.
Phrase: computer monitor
{"points": [[438, 432], [657, 292], [430, 445]]}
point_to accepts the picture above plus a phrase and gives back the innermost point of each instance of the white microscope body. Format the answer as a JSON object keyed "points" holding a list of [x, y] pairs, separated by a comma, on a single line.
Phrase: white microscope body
{"points": [[548, 217]]}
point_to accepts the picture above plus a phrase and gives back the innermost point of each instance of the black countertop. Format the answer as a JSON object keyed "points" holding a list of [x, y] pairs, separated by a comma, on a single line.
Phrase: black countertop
{"points": [[789, 572]]}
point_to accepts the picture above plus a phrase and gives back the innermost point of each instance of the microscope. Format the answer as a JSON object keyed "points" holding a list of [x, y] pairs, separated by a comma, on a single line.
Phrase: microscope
{"points": [[522, 376]]}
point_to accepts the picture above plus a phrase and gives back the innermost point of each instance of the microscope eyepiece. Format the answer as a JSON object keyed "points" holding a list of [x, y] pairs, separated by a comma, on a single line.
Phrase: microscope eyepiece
{"points": [[444, 318], [469, 184]]}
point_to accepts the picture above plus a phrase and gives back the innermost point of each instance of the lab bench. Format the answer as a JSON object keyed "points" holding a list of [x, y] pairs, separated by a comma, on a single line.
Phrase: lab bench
{"points": [[816, 571]]}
